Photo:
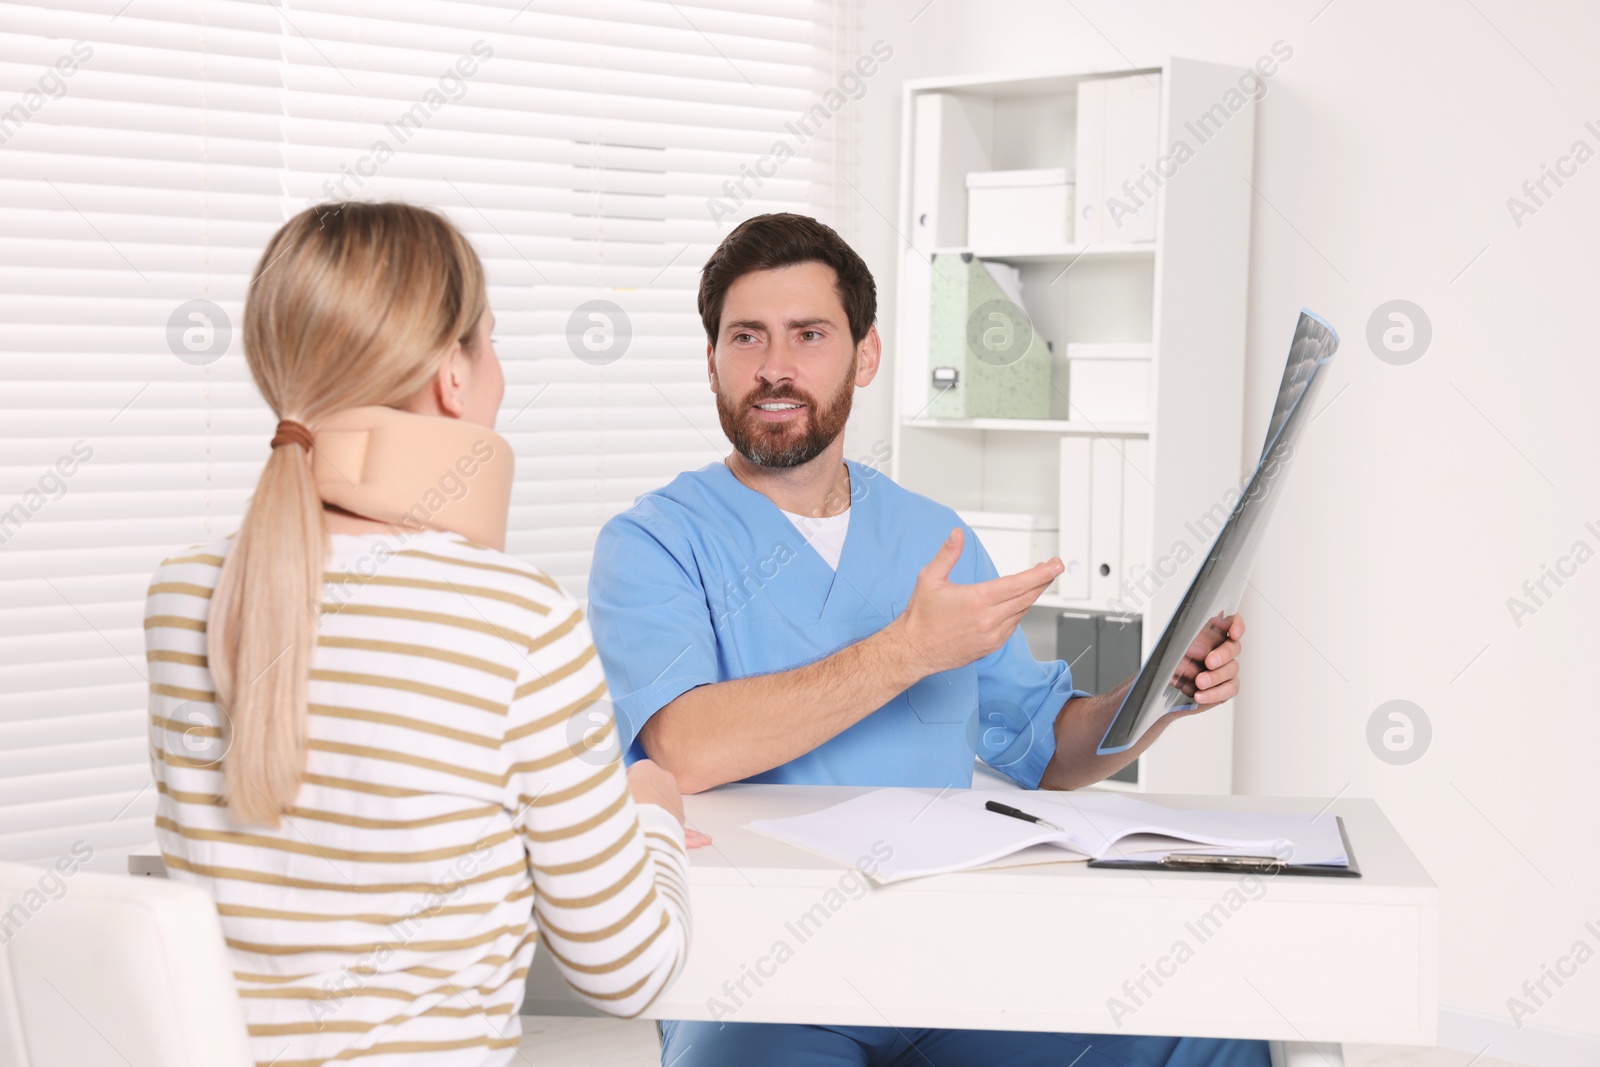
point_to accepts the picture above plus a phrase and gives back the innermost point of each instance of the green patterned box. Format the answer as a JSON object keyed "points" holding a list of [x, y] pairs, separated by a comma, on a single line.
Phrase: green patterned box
{"points": [[985, 360]]}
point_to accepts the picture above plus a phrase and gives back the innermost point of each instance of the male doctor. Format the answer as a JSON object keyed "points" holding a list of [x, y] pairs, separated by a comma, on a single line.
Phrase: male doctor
{"points": [[788, 615]]}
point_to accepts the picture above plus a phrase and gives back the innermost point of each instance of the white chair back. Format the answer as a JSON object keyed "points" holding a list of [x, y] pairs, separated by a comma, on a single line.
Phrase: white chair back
{"points": [[101, 970]]}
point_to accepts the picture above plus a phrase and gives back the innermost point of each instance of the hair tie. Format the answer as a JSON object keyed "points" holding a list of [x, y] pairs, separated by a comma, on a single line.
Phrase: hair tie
{"points": [[292, 432]]}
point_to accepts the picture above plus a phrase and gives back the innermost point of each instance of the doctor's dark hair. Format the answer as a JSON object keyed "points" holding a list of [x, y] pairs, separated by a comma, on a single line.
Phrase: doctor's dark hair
{"points": [[767, 242]]}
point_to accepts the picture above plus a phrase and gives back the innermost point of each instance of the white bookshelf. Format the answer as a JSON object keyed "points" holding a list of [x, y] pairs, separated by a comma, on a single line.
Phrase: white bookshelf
{"points": [[1183, 292]]}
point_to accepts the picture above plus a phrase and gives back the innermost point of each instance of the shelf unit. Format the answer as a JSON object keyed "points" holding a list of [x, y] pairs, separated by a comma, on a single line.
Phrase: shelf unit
{"points": [[1183, 292]]}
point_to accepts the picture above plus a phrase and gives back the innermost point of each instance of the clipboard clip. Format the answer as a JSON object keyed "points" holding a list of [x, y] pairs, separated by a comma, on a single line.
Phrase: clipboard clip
{"points": [[1259, 864]]}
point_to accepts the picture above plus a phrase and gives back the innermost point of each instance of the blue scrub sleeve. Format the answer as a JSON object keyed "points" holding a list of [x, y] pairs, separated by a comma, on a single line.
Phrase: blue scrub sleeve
{"points": [[1018, 697], [651, 621]]}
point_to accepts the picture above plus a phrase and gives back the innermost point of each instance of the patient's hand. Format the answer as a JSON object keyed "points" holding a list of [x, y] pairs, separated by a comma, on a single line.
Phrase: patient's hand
{"points": [[651, 783]]}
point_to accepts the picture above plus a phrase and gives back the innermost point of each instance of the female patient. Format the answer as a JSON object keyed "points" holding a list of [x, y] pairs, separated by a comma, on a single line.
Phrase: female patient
{"points": [[380, 742]]}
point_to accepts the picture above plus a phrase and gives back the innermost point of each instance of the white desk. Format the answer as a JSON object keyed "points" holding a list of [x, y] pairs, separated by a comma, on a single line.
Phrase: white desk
{"points": [[1298, 960]]}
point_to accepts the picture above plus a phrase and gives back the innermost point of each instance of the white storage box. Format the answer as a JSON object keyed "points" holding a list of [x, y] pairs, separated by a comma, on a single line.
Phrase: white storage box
{"points": [[1019, 208], [1014, 541], [1109, 382]]}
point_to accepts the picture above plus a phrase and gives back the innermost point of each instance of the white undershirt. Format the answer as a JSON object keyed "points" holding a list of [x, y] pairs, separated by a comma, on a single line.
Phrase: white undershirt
{"points": [[824, 535]]}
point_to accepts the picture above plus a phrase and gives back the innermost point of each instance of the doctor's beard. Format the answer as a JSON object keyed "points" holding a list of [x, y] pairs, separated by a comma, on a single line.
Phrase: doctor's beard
{"points": [[786, 445]]}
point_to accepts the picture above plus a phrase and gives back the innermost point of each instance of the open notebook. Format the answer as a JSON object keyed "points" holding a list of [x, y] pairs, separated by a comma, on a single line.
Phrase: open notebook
{"points": [[923, 832]]}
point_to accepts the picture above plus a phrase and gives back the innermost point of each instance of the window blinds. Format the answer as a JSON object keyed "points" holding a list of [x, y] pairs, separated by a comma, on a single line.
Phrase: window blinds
{"points": [[593, 151]]}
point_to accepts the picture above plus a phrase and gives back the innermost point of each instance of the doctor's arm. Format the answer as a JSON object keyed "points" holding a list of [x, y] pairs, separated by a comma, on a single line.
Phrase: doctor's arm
{"points": [[725, 731], [1083, 721]]}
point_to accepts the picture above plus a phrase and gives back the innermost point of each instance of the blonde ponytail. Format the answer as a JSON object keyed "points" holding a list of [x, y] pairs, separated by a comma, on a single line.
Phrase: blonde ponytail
{"points": [[260, 668], [349, 306]]}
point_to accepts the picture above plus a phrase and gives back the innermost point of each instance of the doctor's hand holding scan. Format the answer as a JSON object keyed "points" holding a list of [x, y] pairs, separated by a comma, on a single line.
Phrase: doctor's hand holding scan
{"points": [[1210, 668]]}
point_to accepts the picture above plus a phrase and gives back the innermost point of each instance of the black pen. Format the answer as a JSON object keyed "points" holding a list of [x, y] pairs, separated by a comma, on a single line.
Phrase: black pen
{"points": [[1017, 813]]}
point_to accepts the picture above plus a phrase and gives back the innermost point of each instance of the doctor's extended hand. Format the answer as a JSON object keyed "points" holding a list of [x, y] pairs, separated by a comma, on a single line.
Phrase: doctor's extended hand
{"points": [[950, 624]]}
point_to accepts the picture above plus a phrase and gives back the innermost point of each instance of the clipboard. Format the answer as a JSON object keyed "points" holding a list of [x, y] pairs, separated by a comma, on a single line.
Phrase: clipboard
{"points": [[1224, 864]]}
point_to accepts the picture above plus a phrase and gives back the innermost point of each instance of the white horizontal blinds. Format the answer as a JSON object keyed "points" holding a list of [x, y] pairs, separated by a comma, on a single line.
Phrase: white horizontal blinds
{"points": [[142, 172], [580, 154], [578, 144]]}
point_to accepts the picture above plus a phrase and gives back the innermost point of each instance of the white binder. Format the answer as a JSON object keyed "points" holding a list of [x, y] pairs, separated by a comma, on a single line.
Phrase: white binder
{"points": [[916, 275], [1105, 518], [926, 139], [1091, 150], [1144, 139], [1118, 157], [1138, 504], [1076, 503], [951, 136], [1119, 130]]}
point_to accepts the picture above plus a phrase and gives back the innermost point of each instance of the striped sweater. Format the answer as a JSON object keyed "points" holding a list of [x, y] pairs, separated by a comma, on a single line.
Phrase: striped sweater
{"points": [[463, 801]]}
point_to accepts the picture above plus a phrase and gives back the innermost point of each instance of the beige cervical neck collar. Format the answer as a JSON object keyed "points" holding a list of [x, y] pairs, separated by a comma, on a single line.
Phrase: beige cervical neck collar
{"points": [[416, 471]]}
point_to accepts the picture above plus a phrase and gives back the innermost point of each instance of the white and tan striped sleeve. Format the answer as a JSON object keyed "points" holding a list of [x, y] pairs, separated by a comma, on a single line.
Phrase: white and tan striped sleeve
{"points": [[610, 878]]}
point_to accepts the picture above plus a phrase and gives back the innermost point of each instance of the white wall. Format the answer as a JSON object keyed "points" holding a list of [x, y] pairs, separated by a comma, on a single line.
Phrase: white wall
{"points": [[1426, 495]]}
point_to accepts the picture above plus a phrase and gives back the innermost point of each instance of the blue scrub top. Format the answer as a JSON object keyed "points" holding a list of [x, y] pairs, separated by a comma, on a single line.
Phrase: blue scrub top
{"points": [[706, 580]]}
